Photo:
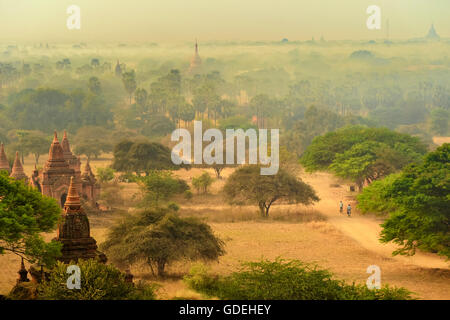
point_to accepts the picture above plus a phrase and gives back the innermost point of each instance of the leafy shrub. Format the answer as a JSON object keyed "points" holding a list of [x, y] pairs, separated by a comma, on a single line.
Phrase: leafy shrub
{"points": [[284, 280], [202, 182], [105, 174], [161, 186], [98, 282], [173, 206], [159, 237], [188, 194]]}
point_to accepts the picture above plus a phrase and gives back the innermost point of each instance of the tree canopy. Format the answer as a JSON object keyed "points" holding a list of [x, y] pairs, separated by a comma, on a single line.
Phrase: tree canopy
{"points": [[247, 185], [362, 154], [417, 203], [159, 237], [142, 157], [24, 214]]}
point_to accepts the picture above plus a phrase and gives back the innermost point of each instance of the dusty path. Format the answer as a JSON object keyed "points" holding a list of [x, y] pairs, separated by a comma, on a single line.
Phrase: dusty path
{"points": [[365, 230]]}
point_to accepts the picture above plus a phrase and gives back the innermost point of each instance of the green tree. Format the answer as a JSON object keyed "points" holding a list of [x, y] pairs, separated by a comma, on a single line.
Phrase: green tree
{"points": [[369, 161], [34, 142], [202, 182], [158, 126], [105, 174], [247, 185], [141, 96], [129, 82], [92, 141], [98, 282], [285, 280], [187, 113], [142, 157], [24, 214], [161, 186], [362, 154], [94, 86], [439, 121], [418, 205], [159, 237]]}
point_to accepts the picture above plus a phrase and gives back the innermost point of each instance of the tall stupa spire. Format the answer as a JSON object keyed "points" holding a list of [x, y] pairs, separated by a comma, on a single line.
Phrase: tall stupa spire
{"points": [[4, 164], [196, 61], [17, 171]]}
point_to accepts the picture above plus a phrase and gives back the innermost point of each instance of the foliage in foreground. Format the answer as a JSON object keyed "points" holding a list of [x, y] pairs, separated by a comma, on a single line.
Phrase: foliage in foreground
{"points": [[24, 214], [159, 237], [284, 280], [418, 203], [98, 282]]}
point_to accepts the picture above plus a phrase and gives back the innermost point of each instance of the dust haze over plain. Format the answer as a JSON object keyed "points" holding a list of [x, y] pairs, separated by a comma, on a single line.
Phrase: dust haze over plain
{"points": [[181, 20]]}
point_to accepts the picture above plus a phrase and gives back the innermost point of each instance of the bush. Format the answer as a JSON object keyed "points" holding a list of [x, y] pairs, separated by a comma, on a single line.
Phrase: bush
{"points": [[112, 194], [173, 206], [128, 177], [202, 182], [105, 174], [160, 186], [284, 280], [188, 194], [159, 237], [98, 282]]}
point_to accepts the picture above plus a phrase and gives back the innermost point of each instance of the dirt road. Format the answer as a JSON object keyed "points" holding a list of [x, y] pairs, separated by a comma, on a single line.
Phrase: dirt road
{"points": [[365, 230]]}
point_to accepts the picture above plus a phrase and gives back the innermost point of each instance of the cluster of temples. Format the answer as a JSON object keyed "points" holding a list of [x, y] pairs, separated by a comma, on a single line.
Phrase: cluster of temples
{"points": [[62, 179], [54, 179]]}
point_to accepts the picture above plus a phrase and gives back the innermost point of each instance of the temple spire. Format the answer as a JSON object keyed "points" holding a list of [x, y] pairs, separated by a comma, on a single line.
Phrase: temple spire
{"points": [[56, 158], [196, 61], [4, 164], [22, 273], [65, 144], [17, 169], [73, 198]]}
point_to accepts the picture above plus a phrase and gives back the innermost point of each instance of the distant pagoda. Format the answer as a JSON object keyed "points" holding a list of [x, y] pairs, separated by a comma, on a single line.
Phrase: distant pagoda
{"points": [[4, 164], [196, 61], [432, 34], [17, 171], [118, 69]]}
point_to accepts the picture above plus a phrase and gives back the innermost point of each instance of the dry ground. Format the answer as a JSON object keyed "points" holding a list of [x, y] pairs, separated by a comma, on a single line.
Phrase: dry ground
{"points": [[346, 246]]}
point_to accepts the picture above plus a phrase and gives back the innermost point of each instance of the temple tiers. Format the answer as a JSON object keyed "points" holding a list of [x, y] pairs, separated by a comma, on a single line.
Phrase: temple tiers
{"points": [[62, 164]]}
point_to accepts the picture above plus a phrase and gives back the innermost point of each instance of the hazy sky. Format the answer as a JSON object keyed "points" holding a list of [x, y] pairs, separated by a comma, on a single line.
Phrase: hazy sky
{"points": [[175, 20]]}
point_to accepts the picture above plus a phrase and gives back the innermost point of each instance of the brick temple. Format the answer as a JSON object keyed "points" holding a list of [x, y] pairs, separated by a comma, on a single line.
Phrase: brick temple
{"points": [[54, 179], [74, 231]]}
